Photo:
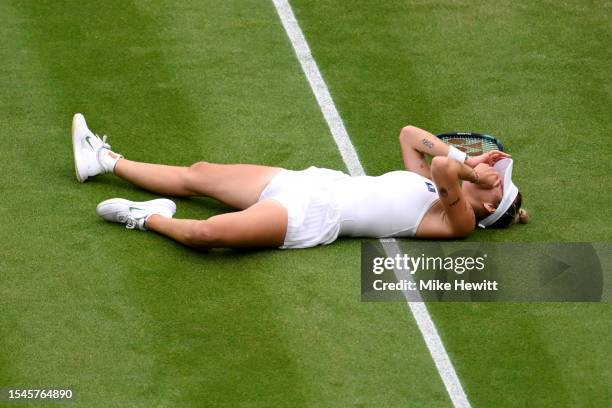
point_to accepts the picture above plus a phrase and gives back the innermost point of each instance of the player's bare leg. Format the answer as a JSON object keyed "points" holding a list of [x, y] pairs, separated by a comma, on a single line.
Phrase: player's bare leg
{"points": [[238, 185], [262, 225]]}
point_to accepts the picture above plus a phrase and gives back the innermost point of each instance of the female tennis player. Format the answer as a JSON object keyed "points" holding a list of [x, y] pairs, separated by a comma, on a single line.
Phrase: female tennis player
{"points": [[300, 209]]}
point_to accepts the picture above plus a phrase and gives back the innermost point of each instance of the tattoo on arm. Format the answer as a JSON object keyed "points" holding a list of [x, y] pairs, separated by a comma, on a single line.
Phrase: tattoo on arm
{"points": [[428, 143], [454, 202], [443, 192]]}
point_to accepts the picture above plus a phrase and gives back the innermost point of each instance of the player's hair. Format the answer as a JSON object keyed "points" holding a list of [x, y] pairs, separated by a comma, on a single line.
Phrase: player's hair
{"points": [[514, 215]]}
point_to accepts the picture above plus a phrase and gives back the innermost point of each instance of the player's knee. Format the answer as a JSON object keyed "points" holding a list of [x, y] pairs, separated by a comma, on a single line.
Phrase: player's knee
{"points": [[199, 169], [202, 235], [195, 177]]}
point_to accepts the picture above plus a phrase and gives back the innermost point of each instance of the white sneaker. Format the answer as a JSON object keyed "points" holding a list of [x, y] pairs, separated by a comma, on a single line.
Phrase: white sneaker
{"points": [[134, 214], [88, 150]]}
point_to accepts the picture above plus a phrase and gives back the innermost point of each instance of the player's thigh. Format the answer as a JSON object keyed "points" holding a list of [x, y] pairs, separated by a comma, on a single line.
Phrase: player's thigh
{"points": [[238, 185], [264, 224]]}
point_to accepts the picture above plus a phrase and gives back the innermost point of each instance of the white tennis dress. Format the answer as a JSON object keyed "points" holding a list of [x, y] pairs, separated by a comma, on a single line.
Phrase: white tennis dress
{"points": [[323, 204]]}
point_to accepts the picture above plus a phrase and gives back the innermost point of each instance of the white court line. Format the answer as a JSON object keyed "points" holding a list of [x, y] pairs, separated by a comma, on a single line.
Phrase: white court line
{"points": [[349, 155]]}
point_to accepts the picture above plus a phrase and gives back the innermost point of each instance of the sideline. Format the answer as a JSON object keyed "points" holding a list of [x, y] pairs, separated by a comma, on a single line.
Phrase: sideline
{"points": [[349, 156]]}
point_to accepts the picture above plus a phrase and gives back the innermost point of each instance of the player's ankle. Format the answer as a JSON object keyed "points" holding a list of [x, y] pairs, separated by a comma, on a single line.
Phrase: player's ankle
{"points": [[108, 159], [152, 219]]}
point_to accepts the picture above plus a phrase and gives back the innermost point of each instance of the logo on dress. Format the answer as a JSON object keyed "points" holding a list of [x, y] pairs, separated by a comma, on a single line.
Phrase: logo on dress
{"points": [[430, 187]]}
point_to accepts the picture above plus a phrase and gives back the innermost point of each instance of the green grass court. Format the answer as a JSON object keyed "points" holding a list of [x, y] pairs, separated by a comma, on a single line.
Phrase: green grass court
{"points": [[130, 319]]}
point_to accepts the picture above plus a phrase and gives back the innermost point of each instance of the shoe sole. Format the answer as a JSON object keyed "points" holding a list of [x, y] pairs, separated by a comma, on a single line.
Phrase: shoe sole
{"points": [[75, 143], [159, 202]]}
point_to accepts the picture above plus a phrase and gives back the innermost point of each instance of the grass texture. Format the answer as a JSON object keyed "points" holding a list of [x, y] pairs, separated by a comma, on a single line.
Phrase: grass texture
{"points": [[131, 319]]}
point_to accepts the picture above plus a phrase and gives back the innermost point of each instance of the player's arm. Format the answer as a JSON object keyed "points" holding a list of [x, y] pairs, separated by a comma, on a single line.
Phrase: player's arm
{"points": [[416, 144], [458, 217]]}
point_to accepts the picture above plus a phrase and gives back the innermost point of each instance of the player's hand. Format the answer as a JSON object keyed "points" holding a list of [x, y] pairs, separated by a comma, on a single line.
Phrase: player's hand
{"points": [[490, 158], [488, 177]]}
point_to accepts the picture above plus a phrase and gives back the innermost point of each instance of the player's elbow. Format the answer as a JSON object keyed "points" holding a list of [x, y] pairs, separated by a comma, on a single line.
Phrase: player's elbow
{"points": [[463, 224], [462, 231], [408, 133]]}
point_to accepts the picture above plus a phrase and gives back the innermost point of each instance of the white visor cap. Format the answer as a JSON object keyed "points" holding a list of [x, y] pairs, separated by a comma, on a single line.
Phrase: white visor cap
{"points": [[504, 168]]}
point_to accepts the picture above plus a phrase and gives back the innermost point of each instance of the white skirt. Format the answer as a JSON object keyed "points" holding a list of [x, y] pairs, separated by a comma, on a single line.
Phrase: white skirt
{"points": [[313, 211]]}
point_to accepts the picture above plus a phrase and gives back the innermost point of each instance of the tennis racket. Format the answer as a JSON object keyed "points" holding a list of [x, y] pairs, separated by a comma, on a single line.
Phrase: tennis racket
{"points": [[472, 143]]}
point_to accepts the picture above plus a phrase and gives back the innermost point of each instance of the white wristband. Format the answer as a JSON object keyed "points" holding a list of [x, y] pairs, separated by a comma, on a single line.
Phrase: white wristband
{"points": [[456, 154]]}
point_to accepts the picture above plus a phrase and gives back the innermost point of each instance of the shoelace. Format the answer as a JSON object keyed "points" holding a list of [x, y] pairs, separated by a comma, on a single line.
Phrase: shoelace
{"points": [[103, 139], [129, 220]]}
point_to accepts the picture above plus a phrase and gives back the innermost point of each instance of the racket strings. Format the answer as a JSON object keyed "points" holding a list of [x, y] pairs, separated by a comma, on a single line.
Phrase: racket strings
{"points": [[473, 146]]}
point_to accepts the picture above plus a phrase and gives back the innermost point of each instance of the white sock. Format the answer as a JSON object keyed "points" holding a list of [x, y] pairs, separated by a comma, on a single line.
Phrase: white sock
{"points": [[108, 159]]}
